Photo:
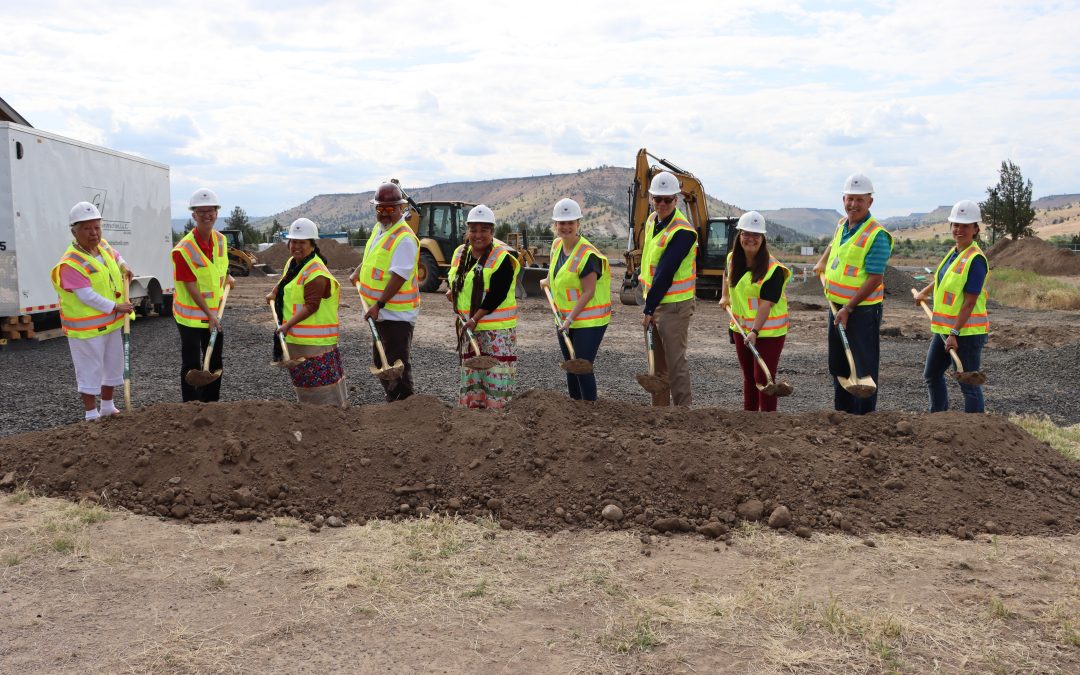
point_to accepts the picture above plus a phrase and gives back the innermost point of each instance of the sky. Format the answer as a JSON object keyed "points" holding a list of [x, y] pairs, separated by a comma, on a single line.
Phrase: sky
{"points": [[771, 103]]}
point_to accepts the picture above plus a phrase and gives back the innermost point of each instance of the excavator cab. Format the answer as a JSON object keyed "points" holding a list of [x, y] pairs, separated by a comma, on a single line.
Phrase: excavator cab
{"points": [[241, 262], [440, 226]]}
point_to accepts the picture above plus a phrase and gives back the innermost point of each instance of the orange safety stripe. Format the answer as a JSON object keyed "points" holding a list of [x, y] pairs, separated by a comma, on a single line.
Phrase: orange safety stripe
{"points": [[194, 253], [90, 322], [949, 320], [848, 292], [865, 236], [503, 314]]}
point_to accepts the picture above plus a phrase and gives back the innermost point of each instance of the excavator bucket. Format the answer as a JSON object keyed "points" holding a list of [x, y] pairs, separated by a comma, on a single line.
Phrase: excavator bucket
{"points": [[529, 281]]}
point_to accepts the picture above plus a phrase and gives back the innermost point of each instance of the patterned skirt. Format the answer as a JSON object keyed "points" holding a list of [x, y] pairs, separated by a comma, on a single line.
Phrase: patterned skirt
{"points": [[492, 388], [321, 377]]}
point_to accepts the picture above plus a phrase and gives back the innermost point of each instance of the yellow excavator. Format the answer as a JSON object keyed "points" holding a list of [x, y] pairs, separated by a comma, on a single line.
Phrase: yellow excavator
{"points": [[715, 235], [440, 226]]}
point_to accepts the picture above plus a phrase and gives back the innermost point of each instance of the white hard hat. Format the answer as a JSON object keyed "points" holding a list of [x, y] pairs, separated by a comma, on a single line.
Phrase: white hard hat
{"points": [[83, 211], [203, 197], [481, 214], [751, 221], [858, 184], [566, 209], [965, 211], [664, 184], [302, 228]]}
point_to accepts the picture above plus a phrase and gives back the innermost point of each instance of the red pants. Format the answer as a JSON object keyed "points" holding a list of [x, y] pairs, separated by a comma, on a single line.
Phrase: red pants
{"points": [[770, 349]]}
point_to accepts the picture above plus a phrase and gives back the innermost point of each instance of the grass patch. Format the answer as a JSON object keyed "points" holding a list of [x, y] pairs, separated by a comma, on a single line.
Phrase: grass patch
{"points": [[998, 610], [477, 591], [625, 638], [286, 522], [1017, 288], [21, 496], [1065, 440], [12, 559]]}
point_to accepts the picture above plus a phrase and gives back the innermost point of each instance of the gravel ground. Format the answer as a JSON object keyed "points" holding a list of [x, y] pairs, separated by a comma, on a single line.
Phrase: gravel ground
{"points": [[37, 389]]}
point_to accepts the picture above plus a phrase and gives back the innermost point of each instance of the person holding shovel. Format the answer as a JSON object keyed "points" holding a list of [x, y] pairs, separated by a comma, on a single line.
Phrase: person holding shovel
{"points": [[960, 322], [201, 272], [853, 266], [754, 291], [306, 299], [483, 274], [386, 279], [89, 280], [579, 279], [669, 278]]}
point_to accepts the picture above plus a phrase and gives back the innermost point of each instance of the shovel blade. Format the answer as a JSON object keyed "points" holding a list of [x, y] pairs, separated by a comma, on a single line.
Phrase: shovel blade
{"points": [[577, 366], [784, 388], [287, 363], [481, 362], [654, 384], [767, 389], [973, 378], [389, 373], [201, 378]]}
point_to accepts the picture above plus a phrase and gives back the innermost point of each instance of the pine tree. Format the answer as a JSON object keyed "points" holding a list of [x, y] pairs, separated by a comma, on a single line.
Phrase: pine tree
{"points": [[1007, 210]]}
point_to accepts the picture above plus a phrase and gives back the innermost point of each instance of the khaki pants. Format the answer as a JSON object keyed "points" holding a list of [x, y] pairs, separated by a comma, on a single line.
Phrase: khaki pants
{"points": [[670, 339]]}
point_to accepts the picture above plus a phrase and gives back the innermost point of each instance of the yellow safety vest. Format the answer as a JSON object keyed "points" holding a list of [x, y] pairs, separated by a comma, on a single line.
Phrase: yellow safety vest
{"points": [[80, 320], [321, 328], [375, 270], [949, 295], [505, 315], [685, 281], [210, 275], [845, 272], [746, 294], [566, 285]]}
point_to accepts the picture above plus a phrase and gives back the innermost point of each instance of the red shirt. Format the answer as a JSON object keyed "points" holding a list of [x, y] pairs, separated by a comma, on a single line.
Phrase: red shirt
{"points": [[182, 269]]}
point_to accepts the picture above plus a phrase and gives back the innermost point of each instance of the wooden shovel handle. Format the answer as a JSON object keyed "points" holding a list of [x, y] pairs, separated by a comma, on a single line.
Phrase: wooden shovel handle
{"points": [[280, 335], [372, 328], [469, 334], [558, 323], [753, 349], [930, 315]]}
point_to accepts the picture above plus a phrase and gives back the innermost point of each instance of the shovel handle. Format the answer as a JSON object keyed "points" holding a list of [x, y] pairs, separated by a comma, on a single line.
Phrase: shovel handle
{"points": [[372, 328], [280, 335], [753, 349], [558, 323], [930, 315], [468, 334], [649, 350]]}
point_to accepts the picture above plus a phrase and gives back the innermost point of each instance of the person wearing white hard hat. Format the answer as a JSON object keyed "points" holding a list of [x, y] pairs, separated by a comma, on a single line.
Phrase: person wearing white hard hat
{"points": [[668, 276], [580, 282], [960, 321], [89, 280], [387, 280], [854, 266], [754, 286], [483, 274], [201, 272], [306, 302]]}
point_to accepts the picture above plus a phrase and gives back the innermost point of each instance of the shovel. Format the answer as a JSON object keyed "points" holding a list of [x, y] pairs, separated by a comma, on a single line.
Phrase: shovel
{"points": [[386, 372], [201, 378], [573, 365], [781, 388], [285, 362], [480, 361], [651, 382], [859, 387], [127, 348], [972, 377]]}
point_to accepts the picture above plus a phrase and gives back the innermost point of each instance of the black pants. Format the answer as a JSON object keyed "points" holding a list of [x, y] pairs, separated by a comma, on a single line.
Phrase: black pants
{"points": [[193, 343], [863, 334], [396, 339]]}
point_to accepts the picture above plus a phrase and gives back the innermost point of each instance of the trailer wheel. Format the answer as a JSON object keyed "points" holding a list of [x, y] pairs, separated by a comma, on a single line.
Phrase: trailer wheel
{"points": [[427, 273]]}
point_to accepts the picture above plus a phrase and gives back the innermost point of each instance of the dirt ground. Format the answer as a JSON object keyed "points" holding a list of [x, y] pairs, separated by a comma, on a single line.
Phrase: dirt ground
{"points": [[259, 535]]}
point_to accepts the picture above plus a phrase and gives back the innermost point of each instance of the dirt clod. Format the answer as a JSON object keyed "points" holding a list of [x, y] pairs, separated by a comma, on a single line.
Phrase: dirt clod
{"points": [[612, 513], [751, 510], [713, 530], [780, 518]]}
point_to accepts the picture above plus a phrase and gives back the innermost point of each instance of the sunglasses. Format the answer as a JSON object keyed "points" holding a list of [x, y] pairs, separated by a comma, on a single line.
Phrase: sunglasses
{"points": [[663, 200], [386, 209]]}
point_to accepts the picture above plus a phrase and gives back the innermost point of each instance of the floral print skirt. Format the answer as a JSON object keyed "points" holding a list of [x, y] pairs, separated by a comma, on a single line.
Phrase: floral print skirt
{"points": [[492, 388]]}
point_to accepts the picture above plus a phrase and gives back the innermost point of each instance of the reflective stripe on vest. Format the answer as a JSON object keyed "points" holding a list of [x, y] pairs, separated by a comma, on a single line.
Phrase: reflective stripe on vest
{"points": [[505, 315], [684, 282], [566, 285], [949, 296], [746, 298], [80, 320], [322, 326], [374, 270], [210, 276], [845, 272]]}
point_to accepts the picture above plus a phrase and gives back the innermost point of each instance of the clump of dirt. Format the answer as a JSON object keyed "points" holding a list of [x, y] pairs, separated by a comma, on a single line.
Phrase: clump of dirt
{"points": [[897, 282], [552, 463], [338, 256], [1034, 255]]}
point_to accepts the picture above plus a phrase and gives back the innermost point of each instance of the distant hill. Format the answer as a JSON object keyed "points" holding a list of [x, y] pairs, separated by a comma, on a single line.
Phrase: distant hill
{"points": [[813, 222], [601, 193], [938, 215], [1056, 201]]}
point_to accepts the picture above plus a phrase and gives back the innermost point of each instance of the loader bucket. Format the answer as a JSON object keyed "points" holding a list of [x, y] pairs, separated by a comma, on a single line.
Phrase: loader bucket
{"points": [[529, 280]]}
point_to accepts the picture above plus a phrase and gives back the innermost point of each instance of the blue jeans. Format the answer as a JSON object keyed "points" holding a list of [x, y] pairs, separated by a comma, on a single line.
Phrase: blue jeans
{"points": [[863, 330], [969, 349], [586, 343]]}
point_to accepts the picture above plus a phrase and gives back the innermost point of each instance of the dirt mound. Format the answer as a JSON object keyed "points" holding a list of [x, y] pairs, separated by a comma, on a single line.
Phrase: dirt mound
{"points": [[897, 282], [1034, 255], [552, 463], [338, 256]]}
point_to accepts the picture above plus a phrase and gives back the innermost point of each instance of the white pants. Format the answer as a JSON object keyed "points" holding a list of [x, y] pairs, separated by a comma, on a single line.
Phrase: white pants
{"points": [[99, 361]]}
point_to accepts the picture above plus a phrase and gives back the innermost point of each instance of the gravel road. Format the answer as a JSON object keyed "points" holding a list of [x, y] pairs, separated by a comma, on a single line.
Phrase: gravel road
{"points": [[1026, 375]]}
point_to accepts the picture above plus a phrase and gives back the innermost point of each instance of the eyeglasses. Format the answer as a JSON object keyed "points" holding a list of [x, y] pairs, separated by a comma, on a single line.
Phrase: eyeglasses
{"points": [[386, 209], [663, 200]]}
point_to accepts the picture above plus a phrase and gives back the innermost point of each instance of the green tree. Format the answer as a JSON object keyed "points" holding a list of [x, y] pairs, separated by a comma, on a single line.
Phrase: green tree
{"points": [[1007, 210], [177, 236], [275, 230], [238, 220]]}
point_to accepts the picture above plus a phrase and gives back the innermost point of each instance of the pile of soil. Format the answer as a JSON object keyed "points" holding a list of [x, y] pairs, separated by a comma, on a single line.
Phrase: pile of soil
{"points": [[897, 283], [552, 463], [338, 256], [1034, 255]]}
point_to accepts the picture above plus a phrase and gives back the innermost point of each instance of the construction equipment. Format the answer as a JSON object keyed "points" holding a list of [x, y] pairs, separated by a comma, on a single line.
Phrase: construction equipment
{"points": [[286, 361], [859, 387], [651, 382], [972, 377], [386, 371], [201, 378], [771, 387], [573, 365], [715, 235], [440, 227], [242, 262]]}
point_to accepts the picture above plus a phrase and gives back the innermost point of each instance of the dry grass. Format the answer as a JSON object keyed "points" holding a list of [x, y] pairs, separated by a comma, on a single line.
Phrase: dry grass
{"points": [[1029, 290], [1065, 440]]}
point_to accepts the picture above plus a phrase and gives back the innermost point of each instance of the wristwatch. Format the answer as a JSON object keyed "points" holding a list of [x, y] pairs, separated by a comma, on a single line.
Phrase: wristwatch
{"points": [[381, 304], [954, 332]]}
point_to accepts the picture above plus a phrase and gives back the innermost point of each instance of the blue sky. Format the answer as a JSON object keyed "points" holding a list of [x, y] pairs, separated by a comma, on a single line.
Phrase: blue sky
{"points": [[771, 103]]}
